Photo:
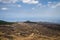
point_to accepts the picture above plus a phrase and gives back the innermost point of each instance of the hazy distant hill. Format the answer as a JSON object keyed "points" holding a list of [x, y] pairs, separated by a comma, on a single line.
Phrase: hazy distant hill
{"points": [[4, 22], [30, 31]]}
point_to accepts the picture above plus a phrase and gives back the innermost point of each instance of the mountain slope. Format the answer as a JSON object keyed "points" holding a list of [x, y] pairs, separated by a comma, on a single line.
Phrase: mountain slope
{"points": [[28, 31]]}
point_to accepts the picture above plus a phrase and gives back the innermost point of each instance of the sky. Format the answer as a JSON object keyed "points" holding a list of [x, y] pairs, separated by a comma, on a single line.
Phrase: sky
{"points": [[33, 10]]}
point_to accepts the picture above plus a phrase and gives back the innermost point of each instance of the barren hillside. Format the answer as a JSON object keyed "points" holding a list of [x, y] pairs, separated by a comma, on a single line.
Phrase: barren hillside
{"points": [[30, 31]]}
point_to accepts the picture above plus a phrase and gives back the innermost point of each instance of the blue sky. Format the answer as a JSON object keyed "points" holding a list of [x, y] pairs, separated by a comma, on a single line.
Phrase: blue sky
{"points": [[34, 10]]}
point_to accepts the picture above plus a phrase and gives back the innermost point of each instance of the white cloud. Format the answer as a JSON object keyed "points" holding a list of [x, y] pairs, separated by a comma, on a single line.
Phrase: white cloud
{"points": [[49, 5], [24, 1], [49, 2], [58, 4], [40, 4], [53, 4], [30, 1], [8, 1], [33, 8], [4, 8], [19, 6]]}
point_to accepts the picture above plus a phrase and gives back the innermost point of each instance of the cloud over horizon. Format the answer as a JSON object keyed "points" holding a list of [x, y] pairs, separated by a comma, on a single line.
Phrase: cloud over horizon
{"points": [[4, 8], [24, 1], [30, 9], [49, 4], [30, 1]]}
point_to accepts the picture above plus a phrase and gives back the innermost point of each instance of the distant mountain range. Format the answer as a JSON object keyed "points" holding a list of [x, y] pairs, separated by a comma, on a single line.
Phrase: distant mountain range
{"points": [[4, 22]]}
